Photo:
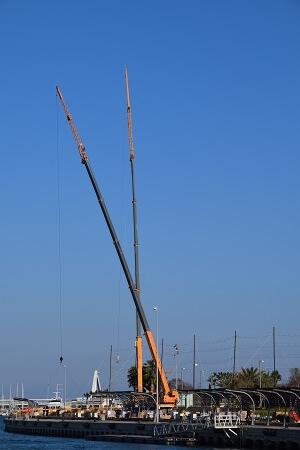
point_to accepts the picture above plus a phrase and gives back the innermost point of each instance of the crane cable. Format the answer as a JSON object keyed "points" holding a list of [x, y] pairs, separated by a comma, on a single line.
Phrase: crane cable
{"points": [[59, 236], [123, 234], [118, 317]]}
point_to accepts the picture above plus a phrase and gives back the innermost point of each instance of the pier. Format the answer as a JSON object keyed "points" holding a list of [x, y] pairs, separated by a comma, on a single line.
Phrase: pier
{"points": [[254, 436], [246, 418]]}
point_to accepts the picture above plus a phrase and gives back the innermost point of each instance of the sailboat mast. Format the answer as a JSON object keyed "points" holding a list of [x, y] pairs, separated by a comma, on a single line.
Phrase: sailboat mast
{"points": [[139, 358]]}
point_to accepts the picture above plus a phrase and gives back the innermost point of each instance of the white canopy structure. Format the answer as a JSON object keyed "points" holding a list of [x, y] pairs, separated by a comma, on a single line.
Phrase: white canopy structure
{"points": [[96, 385]]}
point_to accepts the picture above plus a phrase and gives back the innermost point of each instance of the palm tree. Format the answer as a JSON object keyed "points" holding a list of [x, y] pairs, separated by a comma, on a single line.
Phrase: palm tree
{"points": [[149, 376], [276, 377], [132, 377], [248, 377]]}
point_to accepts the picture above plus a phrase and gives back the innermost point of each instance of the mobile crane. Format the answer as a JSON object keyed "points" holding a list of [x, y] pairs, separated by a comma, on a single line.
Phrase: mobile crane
{"points": [[169, 396]]}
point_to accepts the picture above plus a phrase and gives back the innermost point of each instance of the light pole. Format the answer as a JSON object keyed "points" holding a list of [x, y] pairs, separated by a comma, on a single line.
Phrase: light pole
{"points": [[2, 398], [261, 361], [181, 373], [202, 372], [176, 365], [65, 389], [155, 309], [194, 362], [194, 375]]}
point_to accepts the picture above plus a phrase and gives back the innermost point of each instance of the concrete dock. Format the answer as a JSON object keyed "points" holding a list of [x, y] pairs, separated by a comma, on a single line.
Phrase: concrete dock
{"points": [[252, 436]]}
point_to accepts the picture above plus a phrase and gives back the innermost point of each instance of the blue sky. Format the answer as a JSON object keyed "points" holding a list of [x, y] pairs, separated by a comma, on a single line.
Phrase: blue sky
{"points": [[215, 98]]}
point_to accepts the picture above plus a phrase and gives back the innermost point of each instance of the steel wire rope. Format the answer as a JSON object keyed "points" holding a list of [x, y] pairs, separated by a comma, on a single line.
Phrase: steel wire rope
{"points": [[123, 226], [59, 233], [74, 380], [121, 370], [257, 350], [54, 376], [102, 368]]}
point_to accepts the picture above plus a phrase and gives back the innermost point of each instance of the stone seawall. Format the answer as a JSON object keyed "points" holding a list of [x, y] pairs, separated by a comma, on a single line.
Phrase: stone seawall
{"points": [[256, 437], [77, 428], [276, 438]]}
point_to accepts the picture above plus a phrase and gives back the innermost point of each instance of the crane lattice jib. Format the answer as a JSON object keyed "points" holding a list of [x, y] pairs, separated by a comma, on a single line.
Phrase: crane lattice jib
{"points": [[81, 148], [129, 119]]}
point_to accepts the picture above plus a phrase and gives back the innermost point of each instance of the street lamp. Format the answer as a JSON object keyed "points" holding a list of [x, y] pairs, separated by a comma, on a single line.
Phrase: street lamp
{"points": [[155, 309], [65, 387], [194, 375], [182, 369], [261, 361], [195, 365], [176, 365]]}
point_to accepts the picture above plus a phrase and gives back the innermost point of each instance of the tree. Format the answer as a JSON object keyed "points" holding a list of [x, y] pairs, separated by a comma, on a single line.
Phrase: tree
{"points": [[132, 377], [149, 376], [221, 379], [270, 379], [248, 377], [294, 378]]}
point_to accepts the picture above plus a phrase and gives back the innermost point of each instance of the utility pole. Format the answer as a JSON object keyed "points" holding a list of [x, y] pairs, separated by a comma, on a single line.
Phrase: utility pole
{"points": [[274, 359], [234, 360], [181, 376], [260, 362], [194, 361], [22, 394], [110, 361], [162, 351], [155, 309], [2, 397], [65, 387], [176, 365]]}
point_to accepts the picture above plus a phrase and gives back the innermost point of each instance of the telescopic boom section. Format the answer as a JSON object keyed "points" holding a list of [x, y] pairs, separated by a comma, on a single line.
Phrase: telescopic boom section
{"points": [[139, 343], [169, 396]]}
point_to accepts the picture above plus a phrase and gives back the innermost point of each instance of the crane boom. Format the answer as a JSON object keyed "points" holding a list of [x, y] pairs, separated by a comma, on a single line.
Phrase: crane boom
{"points": [[76, 135], [129, 119], [139, 342], [169, 396]]}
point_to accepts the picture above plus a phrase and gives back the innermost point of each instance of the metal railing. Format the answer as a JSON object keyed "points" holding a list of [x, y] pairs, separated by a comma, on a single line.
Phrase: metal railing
{"points": [[177, 428], [229, 420]]}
